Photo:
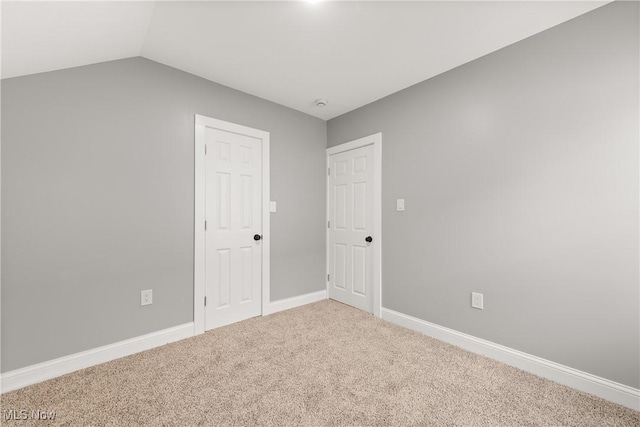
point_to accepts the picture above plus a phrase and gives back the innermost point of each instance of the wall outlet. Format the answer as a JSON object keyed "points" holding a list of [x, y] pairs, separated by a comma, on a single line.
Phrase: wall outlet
{"points": [[477, 300], [146, 297]]}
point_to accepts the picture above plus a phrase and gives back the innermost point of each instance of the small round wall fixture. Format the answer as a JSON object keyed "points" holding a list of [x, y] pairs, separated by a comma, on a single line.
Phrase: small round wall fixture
{"points": [[321, 103]]}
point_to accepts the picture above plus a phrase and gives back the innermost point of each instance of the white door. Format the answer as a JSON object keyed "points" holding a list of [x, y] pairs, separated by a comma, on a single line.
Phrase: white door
{"points": [[233, 232], [351, 227]]}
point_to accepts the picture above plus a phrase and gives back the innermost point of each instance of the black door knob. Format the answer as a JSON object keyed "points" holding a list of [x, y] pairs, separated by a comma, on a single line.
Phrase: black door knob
{"points": [[369, 239], [257, 237]]}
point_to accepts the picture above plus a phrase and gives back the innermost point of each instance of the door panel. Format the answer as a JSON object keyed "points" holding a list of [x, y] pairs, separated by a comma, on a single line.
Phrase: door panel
{"points": [[223, 267], [246, 257], [360, 206], [246, 199], [350, 222], [340, 266], [359, 270], [233, 281]]}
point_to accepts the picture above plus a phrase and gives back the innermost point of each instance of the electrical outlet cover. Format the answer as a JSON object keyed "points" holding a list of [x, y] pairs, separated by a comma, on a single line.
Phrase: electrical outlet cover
{"points": [[146, 297], [477, 300]]}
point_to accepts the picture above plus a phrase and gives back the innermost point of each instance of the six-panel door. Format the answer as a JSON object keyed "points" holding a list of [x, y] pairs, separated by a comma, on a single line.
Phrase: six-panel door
{"points": [[233, 215], [350, 223]]}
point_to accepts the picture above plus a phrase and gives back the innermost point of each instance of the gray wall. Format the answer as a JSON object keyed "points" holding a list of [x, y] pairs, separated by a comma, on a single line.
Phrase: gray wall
{"points": [[520, 174], [97, 197]]}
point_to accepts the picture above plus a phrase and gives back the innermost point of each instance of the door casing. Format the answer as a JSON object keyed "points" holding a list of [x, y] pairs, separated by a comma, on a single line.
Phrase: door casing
{"points": [[376, 141], [199, 260]]}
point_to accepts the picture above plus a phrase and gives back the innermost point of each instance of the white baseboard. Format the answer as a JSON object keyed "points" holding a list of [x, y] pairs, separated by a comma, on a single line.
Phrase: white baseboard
{"points": [[583, 381], [33, 374], [293, 302]]}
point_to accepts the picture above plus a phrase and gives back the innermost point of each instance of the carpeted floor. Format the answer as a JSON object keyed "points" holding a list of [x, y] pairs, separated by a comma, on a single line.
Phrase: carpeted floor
{"points": [[323, 364]]}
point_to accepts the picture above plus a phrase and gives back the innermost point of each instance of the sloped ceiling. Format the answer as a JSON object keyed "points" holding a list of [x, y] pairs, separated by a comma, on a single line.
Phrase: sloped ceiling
{"points": [[350, 53]]}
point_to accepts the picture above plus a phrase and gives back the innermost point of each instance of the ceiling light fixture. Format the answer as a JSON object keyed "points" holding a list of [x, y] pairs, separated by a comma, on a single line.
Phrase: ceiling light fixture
{"points": [[321, 103]]}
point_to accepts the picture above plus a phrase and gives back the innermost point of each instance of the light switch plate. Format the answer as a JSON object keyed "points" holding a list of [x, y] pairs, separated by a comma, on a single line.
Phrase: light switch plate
{"points": [[272, 206], [400, 204]]}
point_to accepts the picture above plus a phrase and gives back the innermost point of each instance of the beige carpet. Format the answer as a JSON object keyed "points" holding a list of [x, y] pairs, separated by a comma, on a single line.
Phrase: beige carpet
{"points": [[324, 364]]}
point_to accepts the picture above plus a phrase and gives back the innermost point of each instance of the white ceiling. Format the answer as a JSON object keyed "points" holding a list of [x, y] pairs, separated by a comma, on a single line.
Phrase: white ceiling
{"points": [[351, 53]]}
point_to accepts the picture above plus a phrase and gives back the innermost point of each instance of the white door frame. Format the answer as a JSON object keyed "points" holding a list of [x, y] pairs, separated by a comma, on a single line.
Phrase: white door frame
{"points": [[199, 258], [376, 141]]}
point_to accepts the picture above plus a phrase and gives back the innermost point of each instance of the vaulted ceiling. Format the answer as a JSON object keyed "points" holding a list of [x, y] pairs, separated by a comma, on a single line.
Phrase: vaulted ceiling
{"points": [[350, 53]]}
